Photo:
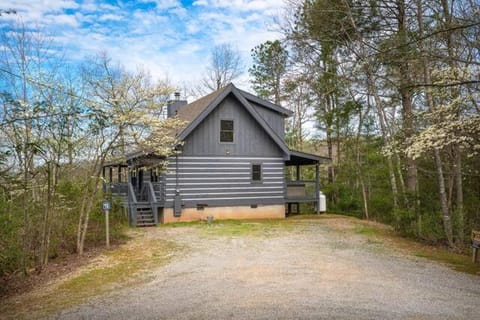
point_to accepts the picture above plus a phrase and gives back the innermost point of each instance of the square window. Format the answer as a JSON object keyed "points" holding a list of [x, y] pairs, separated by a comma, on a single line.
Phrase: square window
{"points": [[226, 130], [256, 172]]}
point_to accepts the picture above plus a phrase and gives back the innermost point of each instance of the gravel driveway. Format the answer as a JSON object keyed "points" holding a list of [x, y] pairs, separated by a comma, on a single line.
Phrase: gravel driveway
{"points": [[309, 271]]}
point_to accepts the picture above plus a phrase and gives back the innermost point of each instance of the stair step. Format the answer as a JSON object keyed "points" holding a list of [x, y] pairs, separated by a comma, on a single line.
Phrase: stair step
{"points": [[142, 225], [145, 218]]}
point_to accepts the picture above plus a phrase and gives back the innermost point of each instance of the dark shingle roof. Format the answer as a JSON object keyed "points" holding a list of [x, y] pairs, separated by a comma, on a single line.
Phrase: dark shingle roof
{"points": [[191, 111]]}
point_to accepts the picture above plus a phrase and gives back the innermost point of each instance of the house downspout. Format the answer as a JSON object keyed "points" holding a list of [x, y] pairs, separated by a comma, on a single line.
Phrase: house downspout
{"points": [[317, 187], [177, 201]]}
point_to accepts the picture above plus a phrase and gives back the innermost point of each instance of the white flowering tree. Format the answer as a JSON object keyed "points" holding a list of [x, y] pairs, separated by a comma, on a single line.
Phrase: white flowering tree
{"points": [[124, 110]]}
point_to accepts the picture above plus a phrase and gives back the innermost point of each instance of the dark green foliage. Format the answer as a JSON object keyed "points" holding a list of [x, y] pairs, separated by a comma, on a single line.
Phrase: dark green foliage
{"points": [[63, 227], [10, 242], [269, 66]]}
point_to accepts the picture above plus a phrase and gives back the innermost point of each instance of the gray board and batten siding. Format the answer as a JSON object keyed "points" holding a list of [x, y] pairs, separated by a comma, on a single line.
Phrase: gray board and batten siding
{"points": [[214, 173], [223, 181], [250, 139], [275, 120]]}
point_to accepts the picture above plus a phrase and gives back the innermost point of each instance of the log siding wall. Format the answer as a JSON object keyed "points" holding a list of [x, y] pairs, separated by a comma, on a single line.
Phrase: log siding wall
{"points": [[225, 181]]}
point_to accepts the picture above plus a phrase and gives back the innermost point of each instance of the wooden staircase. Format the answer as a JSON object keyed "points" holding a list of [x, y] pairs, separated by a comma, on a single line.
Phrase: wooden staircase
{"points": [[144, 215], [142, 205]]}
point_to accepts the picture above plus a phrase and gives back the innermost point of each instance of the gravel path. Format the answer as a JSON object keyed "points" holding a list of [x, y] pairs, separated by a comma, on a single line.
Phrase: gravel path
{"points": [[310, 272]]}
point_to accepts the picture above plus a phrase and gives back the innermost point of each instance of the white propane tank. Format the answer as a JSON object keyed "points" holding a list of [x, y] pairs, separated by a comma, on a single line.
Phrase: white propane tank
{"points": [[322, 202]]}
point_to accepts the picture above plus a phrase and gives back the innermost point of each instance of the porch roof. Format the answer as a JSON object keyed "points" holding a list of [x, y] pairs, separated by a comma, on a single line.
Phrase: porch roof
{"points": [[138, 158], [303, 158]]}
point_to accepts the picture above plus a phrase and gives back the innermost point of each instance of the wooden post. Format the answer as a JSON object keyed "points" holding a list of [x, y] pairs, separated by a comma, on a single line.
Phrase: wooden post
{"points": [[298, 172], [474, 255], [107, 228], [104, 184], [317, 188], [119, 174]]}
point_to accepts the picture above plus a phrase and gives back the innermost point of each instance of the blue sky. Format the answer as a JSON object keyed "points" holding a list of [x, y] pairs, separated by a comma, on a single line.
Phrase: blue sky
{"points": [[170, 38]]}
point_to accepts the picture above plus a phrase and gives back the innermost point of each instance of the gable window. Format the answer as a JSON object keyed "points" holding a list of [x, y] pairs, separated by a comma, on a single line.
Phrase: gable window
{"points": [[226, 130], [256, 172]]}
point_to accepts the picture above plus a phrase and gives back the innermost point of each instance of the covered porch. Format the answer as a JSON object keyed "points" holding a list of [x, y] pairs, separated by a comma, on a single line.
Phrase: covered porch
{"points": [[138, 183], [303, 180]]}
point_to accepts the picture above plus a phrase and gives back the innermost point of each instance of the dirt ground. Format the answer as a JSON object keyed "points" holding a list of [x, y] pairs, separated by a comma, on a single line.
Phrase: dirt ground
{"points": [[312, 269], [298, 269]]}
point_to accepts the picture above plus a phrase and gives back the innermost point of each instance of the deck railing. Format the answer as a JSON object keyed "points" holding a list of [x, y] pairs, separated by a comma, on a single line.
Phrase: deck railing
{"points": [[116, 189], [301, 190]]}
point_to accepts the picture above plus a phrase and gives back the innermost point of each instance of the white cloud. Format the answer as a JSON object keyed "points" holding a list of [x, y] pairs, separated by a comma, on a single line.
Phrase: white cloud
{"points": [[167, 4], [240, 5], [167, 39], [201, 3], [61, 19], [110, 17]]}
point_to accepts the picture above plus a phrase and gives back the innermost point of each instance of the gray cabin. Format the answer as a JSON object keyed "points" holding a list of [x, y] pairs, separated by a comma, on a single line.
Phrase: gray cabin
{"points": [[231, 164]]}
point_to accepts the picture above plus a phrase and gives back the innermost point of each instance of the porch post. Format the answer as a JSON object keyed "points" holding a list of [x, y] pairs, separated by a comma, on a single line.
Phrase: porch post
{"points": [[111, 175], [317, 188], [119, 173], [298, 172], [104, 185]]}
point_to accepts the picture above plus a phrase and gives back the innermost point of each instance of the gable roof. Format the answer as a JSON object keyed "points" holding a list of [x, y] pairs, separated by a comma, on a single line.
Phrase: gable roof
{"points": [[266, 104], [190, 111], [195, 112]]}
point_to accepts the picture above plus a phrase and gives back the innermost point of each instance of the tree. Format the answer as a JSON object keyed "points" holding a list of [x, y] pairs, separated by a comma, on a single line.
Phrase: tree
{"points": [[225, 65], [386, 57], [124, 116], [25, 63], [268, 69]]}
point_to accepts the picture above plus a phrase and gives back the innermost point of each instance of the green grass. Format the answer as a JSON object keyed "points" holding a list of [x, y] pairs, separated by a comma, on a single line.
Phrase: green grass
{"points": [[458, 262], [126, 265], [257, 228], [366, 230], [377, 235], [260, 227]]}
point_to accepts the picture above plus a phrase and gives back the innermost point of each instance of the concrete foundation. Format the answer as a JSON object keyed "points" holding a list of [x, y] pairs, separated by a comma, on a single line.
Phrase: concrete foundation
{"points": [[237, 212]]}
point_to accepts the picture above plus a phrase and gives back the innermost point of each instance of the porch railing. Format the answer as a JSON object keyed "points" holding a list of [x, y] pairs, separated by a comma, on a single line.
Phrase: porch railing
{"points": [[150, 194], [116, 189], [301, 190]]}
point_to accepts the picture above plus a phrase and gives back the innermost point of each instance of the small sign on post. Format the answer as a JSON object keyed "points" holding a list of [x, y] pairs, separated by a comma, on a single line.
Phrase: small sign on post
{"points": [[107, 206]]}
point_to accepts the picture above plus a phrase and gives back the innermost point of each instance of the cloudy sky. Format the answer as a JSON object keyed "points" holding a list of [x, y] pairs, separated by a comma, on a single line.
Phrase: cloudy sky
{"points": [[170, 38]]}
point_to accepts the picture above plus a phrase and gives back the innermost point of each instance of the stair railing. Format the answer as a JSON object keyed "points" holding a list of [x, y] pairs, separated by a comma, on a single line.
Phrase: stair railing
{"points": [[152, 199], [132, 205]]}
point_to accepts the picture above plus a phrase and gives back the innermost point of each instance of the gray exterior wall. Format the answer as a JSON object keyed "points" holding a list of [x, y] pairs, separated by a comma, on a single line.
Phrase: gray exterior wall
{"points": [[249, 137], [275, 120], [225, 181]]}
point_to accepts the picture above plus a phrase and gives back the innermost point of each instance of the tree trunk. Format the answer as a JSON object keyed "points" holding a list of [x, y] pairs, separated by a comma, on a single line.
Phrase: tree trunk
{"points": [[45, 223], [457, 164], [446, 216], [459, 195], [406, 94], [383, 126]]}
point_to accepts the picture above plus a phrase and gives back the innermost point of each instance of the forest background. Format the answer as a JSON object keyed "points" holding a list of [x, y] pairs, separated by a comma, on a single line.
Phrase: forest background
{"points": [[388, 89]]}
